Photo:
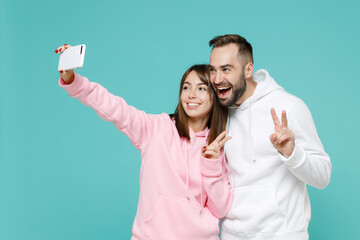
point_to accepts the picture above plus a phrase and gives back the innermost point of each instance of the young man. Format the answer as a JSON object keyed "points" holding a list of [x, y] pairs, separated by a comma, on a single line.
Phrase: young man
{"points": [[270, 161]]}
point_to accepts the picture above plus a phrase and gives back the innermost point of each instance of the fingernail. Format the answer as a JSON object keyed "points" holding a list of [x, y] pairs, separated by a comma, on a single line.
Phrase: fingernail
{"points": [[61, 71], [65, 44], [204, 149], [56, 51]]}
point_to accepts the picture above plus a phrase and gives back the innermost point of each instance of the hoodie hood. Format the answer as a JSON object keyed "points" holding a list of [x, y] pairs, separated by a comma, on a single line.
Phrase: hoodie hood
{"points": [[203, 133], [265, 85]]}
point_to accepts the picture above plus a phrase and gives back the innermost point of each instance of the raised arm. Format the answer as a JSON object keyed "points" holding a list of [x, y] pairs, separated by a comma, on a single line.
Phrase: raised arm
{"points": [[136, 124]]}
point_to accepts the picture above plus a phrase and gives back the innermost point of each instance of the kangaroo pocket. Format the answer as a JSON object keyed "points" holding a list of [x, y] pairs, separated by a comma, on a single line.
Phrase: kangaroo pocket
{"points": [[255, 209], [175, 218]]}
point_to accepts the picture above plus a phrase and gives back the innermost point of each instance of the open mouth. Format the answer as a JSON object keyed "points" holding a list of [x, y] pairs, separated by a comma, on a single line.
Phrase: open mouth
{"points": [[223, 91]]}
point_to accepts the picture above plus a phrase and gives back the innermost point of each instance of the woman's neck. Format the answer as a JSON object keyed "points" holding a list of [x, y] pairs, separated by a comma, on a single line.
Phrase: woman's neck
{"points": [[198, 125]]}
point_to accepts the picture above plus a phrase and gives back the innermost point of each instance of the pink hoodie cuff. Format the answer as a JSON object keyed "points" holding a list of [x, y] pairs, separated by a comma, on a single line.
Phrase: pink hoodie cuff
{"points": [[74, 88], [211, 167]]}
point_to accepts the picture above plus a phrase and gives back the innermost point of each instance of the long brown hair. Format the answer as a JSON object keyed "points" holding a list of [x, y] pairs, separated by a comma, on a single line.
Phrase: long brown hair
{"points": [[218, 115]]}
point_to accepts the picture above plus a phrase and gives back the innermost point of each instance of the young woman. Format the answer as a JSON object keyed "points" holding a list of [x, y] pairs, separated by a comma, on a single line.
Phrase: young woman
{"points": [[184, 187]]}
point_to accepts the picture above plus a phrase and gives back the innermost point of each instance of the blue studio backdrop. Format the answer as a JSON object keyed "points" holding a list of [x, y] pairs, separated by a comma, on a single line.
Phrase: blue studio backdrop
{"points": [[67, 174]]}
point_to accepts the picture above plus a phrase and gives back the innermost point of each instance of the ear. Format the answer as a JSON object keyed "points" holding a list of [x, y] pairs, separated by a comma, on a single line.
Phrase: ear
{"points": [[249, 68]]}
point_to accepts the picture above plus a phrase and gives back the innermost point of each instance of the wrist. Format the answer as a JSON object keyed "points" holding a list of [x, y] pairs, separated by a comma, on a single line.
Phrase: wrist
{"points": [[68, 76]]}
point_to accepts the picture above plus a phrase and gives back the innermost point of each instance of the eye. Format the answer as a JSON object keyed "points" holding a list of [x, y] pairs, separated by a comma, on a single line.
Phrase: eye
{"points": [[202, 89], [212, 70], [185, 88], [226, 69]]}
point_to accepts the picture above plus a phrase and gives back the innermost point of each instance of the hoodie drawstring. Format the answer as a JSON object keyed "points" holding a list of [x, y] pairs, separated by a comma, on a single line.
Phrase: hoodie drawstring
{"points": [[225, 158], [201, 192], [201, 198], [187, 182], [252, 147], [187, 171]]}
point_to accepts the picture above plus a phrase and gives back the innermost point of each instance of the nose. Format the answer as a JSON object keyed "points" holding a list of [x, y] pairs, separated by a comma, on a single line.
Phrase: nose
{"points": [[218, 78], [192, 93]]}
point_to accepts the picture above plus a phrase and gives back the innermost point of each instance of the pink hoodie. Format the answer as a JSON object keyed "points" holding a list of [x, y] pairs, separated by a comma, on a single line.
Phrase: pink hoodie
{"points": [[182, 194]]}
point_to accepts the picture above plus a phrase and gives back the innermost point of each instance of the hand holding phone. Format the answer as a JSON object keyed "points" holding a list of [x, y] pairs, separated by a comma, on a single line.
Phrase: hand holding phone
{"points": [[67, 62], [71, 57]]}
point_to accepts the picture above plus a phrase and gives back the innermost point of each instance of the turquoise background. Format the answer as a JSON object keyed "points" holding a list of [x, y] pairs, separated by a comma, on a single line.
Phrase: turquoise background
{"points": [[67, 174]]}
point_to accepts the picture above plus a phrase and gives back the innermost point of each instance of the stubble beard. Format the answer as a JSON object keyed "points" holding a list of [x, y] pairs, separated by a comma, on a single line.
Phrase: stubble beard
{"points": [[238, 91]]}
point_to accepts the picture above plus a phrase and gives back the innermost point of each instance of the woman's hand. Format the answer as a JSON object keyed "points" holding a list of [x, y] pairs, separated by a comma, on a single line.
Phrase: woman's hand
{"points": [[68, 75], [213, 150]]}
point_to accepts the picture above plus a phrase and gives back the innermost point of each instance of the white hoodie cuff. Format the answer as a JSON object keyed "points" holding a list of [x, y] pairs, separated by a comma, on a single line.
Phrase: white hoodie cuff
{"points": [[74, 88], [211, 167], [296, 159]]}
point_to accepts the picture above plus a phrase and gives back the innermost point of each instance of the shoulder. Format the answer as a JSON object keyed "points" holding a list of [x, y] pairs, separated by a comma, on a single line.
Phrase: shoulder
{"points": [[284, 100], [162, 123], [163, 129]]}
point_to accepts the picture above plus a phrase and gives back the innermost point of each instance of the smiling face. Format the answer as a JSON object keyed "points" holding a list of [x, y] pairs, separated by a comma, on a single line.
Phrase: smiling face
{"points": [[195, 98], [227, 74]]}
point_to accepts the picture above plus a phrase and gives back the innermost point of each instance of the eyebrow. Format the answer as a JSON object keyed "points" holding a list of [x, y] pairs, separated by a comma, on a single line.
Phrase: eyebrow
{"points": [[223, 66], [227, 65], [196, 84]]}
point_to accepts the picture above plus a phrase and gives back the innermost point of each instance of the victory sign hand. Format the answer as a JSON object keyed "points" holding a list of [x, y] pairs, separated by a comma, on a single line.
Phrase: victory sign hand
{"points": [[283, 139], [213, 150]]}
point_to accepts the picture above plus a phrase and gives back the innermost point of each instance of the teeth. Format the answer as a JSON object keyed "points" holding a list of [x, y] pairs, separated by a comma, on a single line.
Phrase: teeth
{"points": [[223, 88], [193, 104]]}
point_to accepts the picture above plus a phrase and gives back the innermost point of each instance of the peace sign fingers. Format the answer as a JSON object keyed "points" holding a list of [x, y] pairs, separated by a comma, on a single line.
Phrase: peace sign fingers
{"points": [[283, 139], [213, 150], [220, 137], [220, 140], [276, 120], [284, 123]]}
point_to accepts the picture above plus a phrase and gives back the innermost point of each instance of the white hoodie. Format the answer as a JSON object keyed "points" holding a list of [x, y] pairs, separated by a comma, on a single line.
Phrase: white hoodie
{"points": [[270, 195]]}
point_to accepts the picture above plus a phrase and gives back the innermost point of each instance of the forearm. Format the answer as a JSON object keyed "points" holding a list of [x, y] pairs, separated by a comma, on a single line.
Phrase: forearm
{"points": [[217, 187], [311, 167], [109, 107], [308, 162]]}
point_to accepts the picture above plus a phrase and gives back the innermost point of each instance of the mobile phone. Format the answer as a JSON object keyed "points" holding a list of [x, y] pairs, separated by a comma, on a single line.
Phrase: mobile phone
{"points": [[72, 57]]}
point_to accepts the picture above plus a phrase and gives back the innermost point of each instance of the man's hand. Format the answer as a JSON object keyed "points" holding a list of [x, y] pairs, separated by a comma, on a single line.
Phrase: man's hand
{"points": [[283, 139]]}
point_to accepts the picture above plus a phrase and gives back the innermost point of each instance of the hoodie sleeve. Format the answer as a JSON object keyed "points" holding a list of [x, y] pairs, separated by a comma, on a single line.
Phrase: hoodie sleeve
{"points": [[137, 125], [309, 162], [217, 186]]}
